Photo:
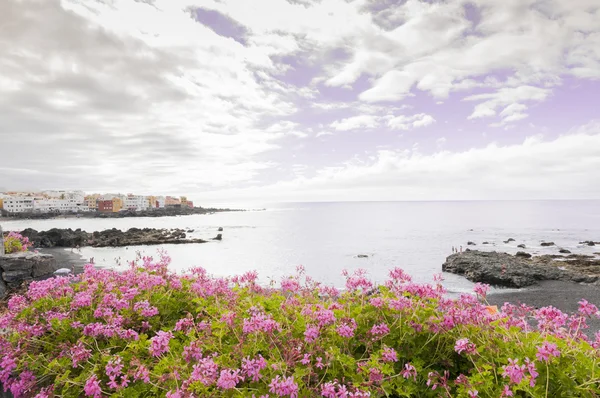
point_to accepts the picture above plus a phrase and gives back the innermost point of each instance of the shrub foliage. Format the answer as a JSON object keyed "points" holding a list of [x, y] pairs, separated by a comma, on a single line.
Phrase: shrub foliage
{"points": [[145, 332]]}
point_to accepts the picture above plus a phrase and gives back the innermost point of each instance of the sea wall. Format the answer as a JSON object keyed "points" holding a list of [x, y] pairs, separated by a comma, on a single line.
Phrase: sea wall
{"points": [[20, 267]]}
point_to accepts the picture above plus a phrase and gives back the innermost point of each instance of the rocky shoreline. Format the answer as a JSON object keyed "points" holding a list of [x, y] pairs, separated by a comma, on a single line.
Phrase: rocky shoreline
{"points": [[171, 212], [59, 237], [523, 269]]}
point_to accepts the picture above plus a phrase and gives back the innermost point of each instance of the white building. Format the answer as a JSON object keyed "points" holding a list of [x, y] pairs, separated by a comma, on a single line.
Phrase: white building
{"points": [[47, 205], [18, 204], [135, 202]]}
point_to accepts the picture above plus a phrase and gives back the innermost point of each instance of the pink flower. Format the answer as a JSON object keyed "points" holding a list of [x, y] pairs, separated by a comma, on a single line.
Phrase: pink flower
{"points": [[252, 367], [376, 302], [547, 350], [409, 371], [347, 328], [159, 344], [305, 360], [205, 371], [514, 371], [284, 387], [587, 309], [380, 330], [389, 355], [319, 363], [260, 322], [229, 379], [473, 393], [464, 345], [79, 354], [481, 289], [92, 387], [311, 333]]}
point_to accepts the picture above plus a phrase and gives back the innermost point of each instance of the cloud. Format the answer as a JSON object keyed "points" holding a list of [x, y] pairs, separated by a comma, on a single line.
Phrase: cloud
{"points": [[408, 122], [510, 98], [534, 168], [355, 122], [178, 96]]}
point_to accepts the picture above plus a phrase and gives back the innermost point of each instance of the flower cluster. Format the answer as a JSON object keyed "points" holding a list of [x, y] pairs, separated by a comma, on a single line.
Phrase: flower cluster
{"points": [[145, 331], [14, 242]]}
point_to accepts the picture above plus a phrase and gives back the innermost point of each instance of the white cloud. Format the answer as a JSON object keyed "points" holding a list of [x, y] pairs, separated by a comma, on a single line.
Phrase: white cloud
{"points": [[323, 133], [509, 98], [536, 168], [355, 122], [407, 122]]}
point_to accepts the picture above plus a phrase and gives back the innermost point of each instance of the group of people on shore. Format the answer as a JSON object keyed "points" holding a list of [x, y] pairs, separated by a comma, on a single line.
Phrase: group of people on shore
{"points": [[456, 249]]}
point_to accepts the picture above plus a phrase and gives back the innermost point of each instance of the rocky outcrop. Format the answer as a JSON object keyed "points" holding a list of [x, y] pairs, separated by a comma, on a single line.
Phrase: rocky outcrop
{"points": [[521, 246], [564, 251], [547, 244], [589, 243], [218, 237], [111, 237], [503, 269], [471, 243], [24, 266]]}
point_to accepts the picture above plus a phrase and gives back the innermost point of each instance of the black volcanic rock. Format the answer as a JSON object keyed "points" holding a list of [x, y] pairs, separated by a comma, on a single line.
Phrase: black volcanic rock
{"points": [[471, 243], [503, 269], [565, 251], [521, 246], [111, 237], [547, 244]]}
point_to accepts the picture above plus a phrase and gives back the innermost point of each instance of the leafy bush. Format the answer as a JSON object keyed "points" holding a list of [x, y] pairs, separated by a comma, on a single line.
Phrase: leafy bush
{"points": [[15, 242], [148, 332]]}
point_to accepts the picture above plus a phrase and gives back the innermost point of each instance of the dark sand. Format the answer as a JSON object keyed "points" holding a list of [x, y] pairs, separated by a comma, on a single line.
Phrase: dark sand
{"points": [[66, 258], [562, 295]]}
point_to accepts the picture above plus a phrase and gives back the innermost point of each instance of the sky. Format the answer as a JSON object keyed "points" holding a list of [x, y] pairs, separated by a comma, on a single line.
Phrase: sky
{"points": [[302, 100]]}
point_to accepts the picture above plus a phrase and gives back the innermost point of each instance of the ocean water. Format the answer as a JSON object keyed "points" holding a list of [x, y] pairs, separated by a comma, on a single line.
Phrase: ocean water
{"points": [[327, 237]]}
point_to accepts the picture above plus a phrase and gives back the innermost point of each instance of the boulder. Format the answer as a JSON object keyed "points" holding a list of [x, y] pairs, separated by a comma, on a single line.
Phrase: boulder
{"points": [[362, 256], [565, 251], [218, 237], [510, 240], [521, 246], [485, 243], [588, 243], [220, 229], [471, 243], [27, 265], [15, 278], [500, 269], [547, 244], [503, 269]]}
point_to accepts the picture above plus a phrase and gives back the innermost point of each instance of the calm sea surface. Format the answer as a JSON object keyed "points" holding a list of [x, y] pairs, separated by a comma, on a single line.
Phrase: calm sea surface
{"points": [[327, 237]]}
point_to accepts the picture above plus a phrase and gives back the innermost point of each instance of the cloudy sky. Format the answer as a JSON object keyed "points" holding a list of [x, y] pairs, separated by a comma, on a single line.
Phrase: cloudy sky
{"points": [[292, 100]]}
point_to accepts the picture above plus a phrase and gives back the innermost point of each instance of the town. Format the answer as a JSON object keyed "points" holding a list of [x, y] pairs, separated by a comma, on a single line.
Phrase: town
{"points": [[78, 201]]}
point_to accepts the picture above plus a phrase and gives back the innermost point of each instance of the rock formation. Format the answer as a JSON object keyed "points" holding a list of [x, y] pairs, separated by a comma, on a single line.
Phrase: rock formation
{"points": [[111, 237], [503, 269]]}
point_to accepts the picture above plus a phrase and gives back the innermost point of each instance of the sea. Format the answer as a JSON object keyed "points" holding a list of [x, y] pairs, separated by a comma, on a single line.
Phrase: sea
{"points": [[327, 238]]}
